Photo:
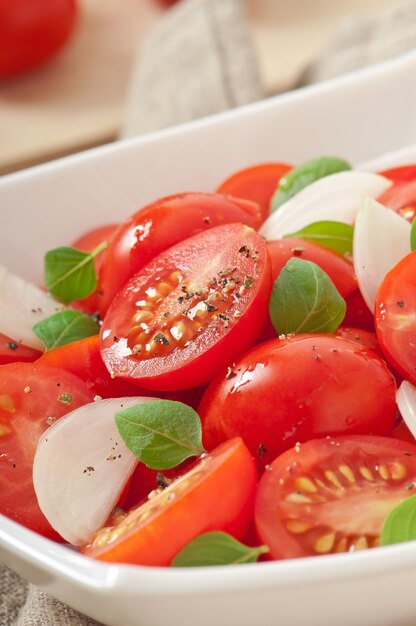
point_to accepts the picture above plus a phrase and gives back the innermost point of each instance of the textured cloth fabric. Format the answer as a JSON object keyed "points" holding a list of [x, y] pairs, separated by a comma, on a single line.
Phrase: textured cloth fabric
{"points": [[199, 60]]}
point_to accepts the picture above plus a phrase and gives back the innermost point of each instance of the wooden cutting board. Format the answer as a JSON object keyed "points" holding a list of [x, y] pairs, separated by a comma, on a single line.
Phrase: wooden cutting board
{"points": [[77, 101]]}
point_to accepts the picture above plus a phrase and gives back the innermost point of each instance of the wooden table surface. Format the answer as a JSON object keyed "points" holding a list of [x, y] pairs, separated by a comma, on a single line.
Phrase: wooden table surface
{"points": [[77, 100]]}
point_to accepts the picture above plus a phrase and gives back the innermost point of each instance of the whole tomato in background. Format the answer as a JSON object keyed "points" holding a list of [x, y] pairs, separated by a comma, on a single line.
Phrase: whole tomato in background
{"points": [[32, 32]]}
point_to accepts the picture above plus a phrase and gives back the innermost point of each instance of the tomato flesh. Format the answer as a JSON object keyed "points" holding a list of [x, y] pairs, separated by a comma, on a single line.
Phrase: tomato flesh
{"points": [[395, 316], [157, 227], [156, 531], [11, 351], [257, 183], [191, 310], [32, 397], [401, 197], [332, 495], [290, 390]]}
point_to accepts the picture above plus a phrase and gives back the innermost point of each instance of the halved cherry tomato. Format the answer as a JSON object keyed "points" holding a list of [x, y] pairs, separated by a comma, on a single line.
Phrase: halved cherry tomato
{"points": [[188, 312], [395, 316], [294, 389], [87, 243], [358, 315], [159, 226], [402, 173], [401, 197], [32, 397], [257, 183], [12, 351], [332, 495], [216, 494]]}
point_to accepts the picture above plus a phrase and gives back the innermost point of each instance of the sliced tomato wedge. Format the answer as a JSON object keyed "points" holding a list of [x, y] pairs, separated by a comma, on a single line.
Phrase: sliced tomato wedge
{"points": [[395, 316], [402, 173], [332, 495], [257, 183], [191, 310], [32, 397], [159, 226], [401, 197], [156, 531], [12, 351]]}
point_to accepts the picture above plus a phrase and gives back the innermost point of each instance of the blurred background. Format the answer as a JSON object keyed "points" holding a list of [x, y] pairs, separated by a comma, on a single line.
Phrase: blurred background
{"points": [[71, 71]]}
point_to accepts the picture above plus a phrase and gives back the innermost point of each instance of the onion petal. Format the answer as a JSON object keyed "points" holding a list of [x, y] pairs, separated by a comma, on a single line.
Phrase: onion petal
{"points": [[336, 197], [406, 401], [22, 305], [381, 240], [81, 467]]}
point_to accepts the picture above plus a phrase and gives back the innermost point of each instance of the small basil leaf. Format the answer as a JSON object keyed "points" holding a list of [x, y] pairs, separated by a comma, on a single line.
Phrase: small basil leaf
{"points": [[65, 327], [161, 433], [305, 174], [70, 274], [216, 548], [413, 235], [305, 300], [336, 236], [400, 524]]}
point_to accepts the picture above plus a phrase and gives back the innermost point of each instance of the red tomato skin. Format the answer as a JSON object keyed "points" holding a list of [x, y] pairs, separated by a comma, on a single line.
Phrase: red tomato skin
{"points": [[34, 392], [160, 225], [290, 390], [358, 315], [339, 269], [12, 352], [257, 183], [394, 317], [32, 32], [229, 477], [402, 173], [366, 338], [87, 243], [402, 433], [401, 197], [310, 459], [194, 364]]}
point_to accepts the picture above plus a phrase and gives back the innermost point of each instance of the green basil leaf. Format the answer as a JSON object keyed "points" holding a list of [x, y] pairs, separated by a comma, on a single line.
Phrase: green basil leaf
{"points": [[305, 174], [65, 327], [336, 236], [400, 525], [305, 300], [70, 274], [216, 548], [413, 235], [161, 433]]}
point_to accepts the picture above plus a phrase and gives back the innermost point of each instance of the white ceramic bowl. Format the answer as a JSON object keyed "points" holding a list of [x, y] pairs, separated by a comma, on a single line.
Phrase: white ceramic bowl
{"points": [[358, 117]]}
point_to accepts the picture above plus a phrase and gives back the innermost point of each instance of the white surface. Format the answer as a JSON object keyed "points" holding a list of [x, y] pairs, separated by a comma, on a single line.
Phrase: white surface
{"points": [[357, 117], [406, 401]]}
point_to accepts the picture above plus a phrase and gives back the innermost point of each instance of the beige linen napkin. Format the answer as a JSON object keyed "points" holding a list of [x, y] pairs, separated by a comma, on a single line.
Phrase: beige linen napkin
{"points": [[199, 60]]}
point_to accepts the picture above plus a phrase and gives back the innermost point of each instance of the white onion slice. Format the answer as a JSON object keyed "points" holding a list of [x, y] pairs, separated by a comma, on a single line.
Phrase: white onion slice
{"points": [[337, 197], [406, 401], [22, 305], [381, 240], [81, 467]]}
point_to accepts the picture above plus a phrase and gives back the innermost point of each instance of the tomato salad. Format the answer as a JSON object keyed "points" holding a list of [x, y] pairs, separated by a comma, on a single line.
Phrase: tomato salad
{"points": [[222, 377]]}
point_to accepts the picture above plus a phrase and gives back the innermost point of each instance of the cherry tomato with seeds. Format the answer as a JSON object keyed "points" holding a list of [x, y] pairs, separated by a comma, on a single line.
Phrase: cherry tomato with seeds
{"points": [[290, 390], [257, 183], [32, 397], [332, 495], [188, 312], [160, 225], [156, 531]]}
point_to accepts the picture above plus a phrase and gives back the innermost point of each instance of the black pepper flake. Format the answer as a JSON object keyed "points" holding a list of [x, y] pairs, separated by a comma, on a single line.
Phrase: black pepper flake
{"points": [[224, 318], [230, 374], [410, 486], [180, 299], [316, 357], [211, 308], [298, 250], [248, 282], [400, 303], [206, 219], [227, 271], [115, 339], [161, 481], [12, 345], [161, 338], [189, 296], [14, 466], [88, 470], [261, 450], [244, 250], [166, 314]]}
